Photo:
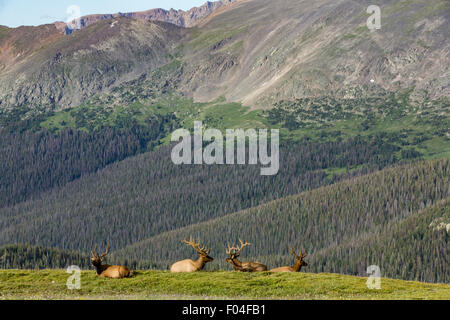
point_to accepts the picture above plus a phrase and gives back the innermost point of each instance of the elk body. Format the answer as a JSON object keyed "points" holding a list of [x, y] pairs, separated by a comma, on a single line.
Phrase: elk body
{"points": [[298, 264], [189, 265], [107, 271], [234, 253]]}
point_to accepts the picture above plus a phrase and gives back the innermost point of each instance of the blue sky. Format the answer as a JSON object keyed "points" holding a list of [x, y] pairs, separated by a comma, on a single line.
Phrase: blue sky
{"points": [[14, 13]]}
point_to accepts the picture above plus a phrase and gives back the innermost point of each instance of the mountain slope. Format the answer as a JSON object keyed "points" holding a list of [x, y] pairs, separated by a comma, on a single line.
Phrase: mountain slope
{"points": [[180, 18], [257, 52], [79, 113], [145, 195], [292, 49], [327, 218], [414, 248], [73, 68], [32, 163], [19, 43], [27, 257]]}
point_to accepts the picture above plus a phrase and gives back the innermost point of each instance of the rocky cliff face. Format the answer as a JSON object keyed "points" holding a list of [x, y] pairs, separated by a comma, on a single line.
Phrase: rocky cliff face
{"points": [[180, 18]]}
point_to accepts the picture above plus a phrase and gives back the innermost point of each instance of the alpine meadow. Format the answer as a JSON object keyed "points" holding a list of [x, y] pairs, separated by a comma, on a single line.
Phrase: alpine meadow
{"points": [[242, 149]]}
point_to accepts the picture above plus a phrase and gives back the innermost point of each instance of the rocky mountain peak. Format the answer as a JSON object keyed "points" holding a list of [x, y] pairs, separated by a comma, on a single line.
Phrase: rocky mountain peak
{"points": [[180, 18]]}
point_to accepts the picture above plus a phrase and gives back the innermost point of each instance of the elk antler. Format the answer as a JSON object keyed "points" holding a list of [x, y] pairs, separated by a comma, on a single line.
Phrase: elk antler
{"points": [[93, 253], [197, 246], [302, 254], [106, 251], [228, 250], [293, 252], [236, 250]]}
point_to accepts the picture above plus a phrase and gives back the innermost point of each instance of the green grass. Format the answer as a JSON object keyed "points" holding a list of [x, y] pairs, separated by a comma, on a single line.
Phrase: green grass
{"points": [[51, 284], [223, 115], [421, 128], [215, 114], [208, 39]]}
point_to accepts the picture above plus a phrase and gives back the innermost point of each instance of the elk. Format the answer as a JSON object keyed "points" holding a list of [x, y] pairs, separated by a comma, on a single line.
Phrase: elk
{"points": [[298, 264], [189, 265], [105, 270], [234, 253]]}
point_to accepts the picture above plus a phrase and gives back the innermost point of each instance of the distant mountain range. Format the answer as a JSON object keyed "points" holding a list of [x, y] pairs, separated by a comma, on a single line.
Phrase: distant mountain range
{"points": [[254, 52], [180, 18]]}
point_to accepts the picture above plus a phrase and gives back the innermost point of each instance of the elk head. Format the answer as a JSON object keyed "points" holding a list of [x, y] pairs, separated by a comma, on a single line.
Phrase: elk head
{"points": [[234, 252], [97, 260], [299, 258]]}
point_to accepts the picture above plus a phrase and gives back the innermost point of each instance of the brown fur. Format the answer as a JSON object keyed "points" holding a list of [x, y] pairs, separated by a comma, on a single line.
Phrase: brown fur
{"points": [[246, 266], [297, 266], [114, 272], [189, 265], [107, 271], [239, 266]]}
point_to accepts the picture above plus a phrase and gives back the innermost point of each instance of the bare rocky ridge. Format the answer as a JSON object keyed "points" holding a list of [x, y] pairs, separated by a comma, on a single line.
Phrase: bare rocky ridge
{"points": [[17, 44], [180, 18]]}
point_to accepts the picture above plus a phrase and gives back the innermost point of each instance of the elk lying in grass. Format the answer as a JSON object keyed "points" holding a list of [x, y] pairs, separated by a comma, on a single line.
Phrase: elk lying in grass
{"points": [[234, 253], [105, 270], [298, 264], [189, 265]]}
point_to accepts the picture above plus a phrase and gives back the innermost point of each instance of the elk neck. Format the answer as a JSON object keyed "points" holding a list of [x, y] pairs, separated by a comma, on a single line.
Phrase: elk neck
{"points": [[101, 268], [297, 266], [200, 262], [236, 262]]}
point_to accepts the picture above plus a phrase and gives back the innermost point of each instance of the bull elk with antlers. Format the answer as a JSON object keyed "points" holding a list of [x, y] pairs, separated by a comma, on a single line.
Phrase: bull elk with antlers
{"points": [[189, 265], [234, 253], [298, 264], [105, 270]]}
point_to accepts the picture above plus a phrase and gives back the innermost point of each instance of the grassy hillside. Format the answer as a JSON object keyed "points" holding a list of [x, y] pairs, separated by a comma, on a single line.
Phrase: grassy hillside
{"points": [[45, 284]]}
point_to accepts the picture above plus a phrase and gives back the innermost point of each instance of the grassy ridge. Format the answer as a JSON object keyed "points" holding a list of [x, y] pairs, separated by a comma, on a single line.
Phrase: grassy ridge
{"points": [[51, 284]]}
